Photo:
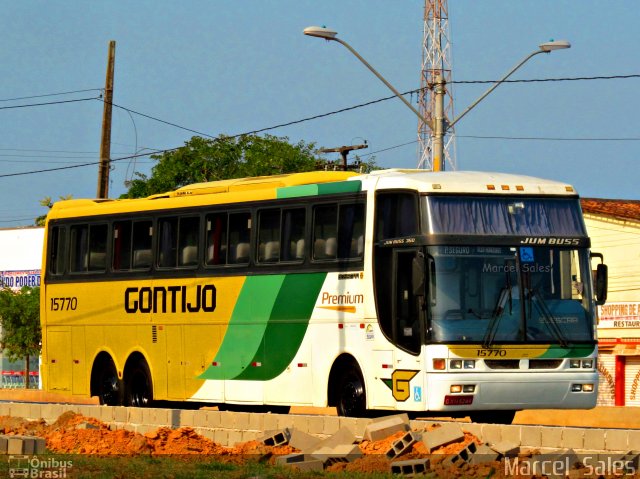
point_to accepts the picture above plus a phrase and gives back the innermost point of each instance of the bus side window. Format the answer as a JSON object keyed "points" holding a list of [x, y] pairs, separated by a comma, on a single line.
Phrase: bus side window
{"points": [[56, 250], [239, 238], [292, 236], [269, 236], [98, 247], [351, 231], [121, 245], [216, 239], [167, 248], [142, 236], [189, 233], [78, 248], [325, 243], [88, 248]]}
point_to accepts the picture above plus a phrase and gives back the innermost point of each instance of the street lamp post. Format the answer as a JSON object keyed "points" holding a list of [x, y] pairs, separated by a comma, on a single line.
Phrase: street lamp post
{"points": [[438, 126]]}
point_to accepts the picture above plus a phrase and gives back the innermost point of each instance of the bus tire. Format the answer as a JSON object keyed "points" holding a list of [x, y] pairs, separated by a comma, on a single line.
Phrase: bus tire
{"points": [[105, 383], [351, 397], [138, 387], [493, 417]]}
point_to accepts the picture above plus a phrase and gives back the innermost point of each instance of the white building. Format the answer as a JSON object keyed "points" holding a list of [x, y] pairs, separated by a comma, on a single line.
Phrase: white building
{"points": [[614, 228]]}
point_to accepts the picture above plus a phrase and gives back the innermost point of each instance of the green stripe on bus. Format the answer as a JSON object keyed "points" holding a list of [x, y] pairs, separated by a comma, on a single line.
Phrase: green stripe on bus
{"points": [[287, 326], [577, 351], [245, 333], [320, 189]]}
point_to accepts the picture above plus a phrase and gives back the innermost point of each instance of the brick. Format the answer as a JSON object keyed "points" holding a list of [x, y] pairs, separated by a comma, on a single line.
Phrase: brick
{"points": [[22, 409], [250, 435], [241, 421], [511, 433], [174, 418], [303, 442], [21, 445], [40, 445], [35, 411], [418, 425], [316, 425], [410, 467], [208, 433], [144, 428], [298, 422], [107, 414], [463, 457], [161, 417], [120, 414], [48, 412], [386, 426], [447, 433], [256, 422], [616, 440], [634, 440], [135, 415], [4, 442], [573, 437], [472, 428], [402, 445], [270, 422], [186, 417], [88, 410]]}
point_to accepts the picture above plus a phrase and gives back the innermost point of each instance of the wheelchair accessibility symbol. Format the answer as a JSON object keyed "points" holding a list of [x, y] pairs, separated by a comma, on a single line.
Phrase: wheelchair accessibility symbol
{"points": [[417, 394]]}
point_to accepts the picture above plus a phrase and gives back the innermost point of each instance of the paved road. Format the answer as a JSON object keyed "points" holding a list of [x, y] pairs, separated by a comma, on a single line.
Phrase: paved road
{"points": [[601, 417]]}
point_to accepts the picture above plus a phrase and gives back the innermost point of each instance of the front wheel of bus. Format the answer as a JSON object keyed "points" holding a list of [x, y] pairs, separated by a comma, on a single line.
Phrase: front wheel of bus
{"points": [[108, 386], [351, 395], [138, 390]]}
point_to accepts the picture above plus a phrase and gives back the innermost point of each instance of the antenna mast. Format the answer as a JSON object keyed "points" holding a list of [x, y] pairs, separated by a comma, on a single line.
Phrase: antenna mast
{"points": [[436, 61]]}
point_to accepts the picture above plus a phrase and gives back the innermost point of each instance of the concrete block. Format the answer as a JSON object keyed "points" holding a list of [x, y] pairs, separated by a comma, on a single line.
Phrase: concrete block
{"points": [[511, 433], [5, 409], [300, 422], [135, 415], [221, 436], [250, 435], [270, 422], [402, 445], [256, 422], [86, 425], [35, 411], [634, 439], [463, 457], [107, 414], [235, 437], [330, 425], [308, 465], [484, 454], [87, 410], [276, 438], [447, 433], [4, 442], [616, 440], [530, 436], [144, 428], [411, 467], [344, 435], [340, 453], [208, 433], [161, 417], [418, 424], [289, 458], [551, 436], [174, 418], [120, 414], [491, 433], [40, 445], [241, 421], [21, 445], [506, 448], [573, 437], [386, 426], [472, 428], [200, 418], [186, 418], [48, 412], [303, 442], [316, 425], [128, 427]]}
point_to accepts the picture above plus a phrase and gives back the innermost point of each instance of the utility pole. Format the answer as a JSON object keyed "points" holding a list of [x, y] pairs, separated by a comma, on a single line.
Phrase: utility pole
{"points": [[105, 143], [344, 152]]}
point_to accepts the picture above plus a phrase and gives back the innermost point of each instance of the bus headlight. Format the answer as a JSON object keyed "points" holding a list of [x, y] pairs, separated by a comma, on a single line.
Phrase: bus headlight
{"points": [[455, 364], [576, 388], [587, 363], [588, 388], [469, 364], [455, 389], [574, 363]]}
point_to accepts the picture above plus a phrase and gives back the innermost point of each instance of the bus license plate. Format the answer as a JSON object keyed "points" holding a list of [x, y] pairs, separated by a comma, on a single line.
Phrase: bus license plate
{"points": [[457, 400]]}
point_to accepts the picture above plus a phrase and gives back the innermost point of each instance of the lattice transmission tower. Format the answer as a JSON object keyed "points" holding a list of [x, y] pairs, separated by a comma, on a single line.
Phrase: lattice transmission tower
{"points": [[436, 60]]}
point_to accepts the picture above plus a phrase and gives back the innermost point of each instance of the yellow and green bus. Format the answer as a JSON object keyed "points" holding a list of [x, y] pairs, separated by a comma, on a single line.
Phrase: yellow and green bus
{"points": [[458, 293]]}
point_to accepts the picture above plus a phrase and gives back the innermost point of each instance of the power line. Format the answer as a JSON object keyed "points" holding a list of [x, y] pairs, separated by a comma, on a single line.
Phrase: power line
{"points": [[51, 94], [46, 103], [537, 80], [545, 138]]}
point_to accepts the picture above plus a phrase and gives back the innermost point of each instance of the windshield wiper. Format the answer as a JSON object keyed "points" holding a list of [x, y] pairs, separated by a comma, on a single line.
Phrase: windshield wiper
{"points": [[503, 298], [534, 297]]}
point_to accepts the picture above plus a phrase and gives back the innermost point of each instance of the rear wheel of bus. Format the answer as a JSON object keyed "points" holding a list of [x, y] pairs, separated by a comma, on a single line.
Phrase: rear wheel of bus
{"points": [[105, 382], [138, 386]]}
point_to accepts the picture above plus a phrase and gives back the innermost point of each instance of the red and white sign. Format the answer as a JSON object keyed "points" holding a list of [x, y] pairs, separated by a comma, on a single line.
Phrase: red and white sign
{"points": [[619, 315]]}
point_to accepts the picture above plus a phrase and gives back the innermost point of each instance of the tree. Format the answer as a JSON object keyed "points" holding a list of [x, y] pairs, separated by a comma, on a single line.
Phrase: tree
{"points": [[20, 319], [202, 159], [46, 201]]}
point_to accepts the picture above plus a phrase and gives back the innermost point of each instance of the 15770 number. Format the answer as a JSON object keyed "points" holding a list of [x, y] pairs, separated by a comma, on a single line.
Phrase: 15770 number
{"points": [[487, 353], [64, 304]]}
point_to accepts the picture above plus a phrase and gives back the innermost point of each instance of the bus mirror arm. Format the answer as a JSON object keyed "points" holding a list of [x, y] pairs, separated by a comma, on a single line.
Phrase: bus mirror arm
{"points": [[601, 280]]}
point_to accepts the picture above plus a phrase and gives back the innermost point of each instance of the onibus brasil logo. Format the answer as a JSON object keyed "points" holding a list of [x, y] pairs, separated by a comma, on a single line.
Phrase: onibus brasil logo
{"points": [[38, 468]]}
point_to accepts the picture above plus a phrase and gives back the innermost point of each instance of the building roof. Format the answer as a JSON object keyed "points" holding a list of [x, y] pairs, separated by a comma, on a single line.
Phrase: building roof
{"points": [[621, 209]]}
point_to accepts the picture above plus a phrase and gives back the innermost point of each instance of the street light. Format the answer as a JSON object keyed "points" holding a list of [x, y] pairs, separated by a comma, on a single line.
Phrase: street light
{"points": [[439, 126]]}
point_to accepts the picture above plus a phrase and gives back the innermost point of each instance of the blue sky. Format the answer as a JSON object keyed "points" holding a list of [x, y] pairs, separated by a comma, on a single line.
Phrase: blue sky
{"points": [[236, 66]]}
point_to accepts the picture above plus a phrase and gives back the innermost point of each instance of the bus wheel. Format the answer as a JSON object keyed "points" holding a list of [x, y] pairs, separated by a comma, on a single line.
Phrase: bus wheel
{"points": [[351, 398], [108, 387], [138, 390], [493, 417]]}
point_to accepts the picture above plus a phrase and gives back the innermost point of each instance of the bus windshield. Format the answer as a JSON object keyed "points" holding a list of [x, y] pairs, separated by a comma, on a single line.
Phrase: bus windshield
{"points": [[488, 294]]}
